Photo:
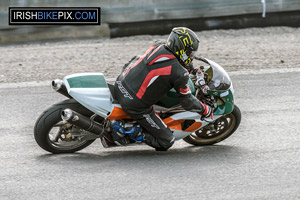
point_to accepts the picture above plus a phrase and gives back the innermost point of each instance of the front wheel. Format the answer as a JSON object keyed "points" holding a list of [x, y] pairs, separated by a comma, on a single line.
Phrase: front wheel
{"points": [[56, 136], [223, 128]]}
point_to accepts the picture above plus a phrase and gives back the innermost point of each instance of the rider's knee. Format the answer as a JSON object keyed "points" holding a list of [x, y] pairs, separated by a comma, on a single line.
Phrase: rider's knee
{"points": [[166, 144]]}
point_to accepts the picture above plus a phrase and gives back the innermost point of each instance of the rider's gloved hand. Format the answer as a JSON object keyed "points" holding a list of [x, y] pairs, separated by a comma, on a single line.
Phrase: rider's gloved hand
{"points": [[207, 111], [210, 101], [204, 89]]}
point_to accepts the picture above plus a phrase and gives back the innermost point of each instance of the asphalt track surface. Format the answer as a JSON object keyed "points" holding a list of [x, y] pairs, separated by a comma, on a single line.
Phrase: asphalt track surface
{"points": [[260, 161]]}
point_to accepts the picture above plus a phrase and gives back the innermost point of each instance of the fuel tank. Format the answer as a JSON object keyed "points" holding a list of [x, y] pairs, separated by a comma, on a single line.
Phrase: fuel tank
{"points": [[171, 98]]}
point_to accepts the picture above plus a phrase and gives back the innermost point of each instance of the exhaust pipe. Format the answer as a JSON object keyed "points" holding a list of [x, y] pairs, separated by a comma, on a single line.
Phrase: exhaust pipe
{"points": [[82, 122], [59, 86]]}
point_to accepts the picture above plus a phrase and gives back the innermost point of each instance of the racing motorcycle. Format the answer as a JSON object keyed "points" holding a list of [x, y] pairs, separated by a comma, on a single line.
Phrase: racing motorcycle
{"points": [[91, 110]]}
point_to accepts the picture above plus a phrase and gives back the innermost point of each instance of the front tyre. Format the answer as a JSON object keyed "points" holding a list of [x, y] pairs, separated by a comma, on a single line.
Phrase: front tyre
{"points": [[224, 127], [56, 136]]}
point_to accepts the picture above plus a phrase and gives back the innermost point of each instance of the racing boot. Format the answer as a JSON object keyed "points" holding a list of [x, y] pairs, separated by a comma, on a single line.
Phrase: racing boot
{"points": [[107, 140]]}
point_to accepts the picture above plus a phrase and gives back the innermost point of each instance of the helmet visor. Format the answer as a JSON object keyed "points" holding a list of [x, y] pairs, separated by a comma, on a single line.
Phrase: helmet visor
{"points": [[192, 55], [195, 45]]}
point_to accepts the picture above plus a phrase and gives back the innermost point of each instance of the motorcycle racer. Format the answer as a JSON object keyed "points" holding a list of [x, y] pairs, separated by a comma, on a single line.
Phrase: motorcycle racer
{"points": [[146, 79]]}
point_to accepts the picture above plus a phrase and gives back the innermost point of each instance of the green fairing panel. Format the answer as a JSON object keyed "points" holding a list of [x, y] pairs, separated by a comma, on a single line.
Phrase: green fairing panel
{"points": [[88, 81], [171, 98], [227, 106]]}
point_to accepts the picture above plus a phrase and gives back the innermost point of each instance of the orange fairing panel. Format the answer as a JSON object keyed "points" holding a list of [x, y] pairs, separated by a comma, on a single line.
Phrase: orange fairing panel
{"points": [[173, 124], [117, 114], [176, 124], [193, 127]]}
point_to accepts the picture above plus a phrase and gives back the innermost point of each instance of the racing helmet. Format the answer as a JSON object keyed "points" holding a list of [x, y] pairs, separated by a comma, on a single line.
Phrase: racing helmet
{"points": [[183, 42]]}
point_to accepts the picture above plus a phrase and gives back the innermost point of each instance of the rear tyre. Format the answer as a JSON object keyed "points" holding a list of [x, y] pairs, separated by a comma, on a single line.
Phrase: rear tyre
{"points": [[54, 135], [225, 126]]}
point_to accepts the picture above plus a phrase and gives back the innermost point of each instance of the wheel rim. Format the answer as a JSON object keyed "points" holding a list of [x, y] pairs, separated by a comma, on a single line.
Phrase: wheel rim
{"points": [[60, 137], [223, 126]]}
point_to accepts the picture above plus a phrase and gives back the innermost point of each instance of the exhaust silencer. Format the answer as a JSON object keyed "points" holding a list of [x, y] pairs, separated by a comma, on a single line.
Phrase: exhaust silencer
{"points": [[59, 86], [81, 121]]}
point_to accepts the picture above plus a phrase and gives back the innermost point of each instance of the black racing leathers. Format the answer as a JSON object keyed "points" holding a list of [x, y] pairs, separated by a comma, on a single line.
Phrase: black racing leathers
{"points": [[144, 81]]}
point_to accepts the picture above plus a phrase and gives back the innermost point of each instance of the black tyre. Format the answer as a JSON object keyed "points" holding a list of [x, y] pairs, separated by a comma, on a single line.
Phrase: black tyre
{"points": [[50, 122], [224, 126]]}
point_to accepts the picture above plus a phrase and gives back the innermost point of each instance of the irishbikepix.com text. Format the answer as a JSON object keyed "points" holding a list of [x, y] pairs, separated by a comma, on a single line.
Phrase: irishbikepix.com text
{"points": [[54, 16]]}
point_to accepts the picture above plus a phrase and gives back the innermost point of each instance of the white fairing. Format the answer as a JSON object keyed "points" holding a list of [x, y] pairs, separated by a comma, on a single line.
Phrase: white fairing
{"points": [[98, 100], [186, 115], [179, 134]]}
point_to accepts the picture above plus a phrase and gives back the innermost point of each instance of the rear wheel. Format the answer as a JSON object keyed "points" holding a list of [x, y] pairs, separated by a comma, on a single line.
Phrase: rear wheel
{"points": [[218, 131], [56, 136]]}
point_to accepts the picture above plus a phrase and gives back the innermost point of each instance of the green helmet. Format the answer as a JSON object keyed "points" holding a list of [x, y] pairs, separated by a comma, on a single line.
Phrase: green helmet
{"points": [[183, 42]]}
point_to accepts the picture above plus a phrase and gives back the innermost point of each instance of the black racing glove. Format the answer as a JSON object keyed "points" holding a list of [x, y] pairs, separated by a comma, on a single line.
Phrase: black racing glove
{"points": [[210, 101], [208, 111], [191, 69]]}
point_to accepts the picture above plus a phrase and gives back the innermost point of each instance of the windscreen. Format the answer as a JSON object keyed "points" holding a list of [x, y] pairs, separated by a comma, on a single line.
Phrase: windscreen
{"points": [[216, 77]]}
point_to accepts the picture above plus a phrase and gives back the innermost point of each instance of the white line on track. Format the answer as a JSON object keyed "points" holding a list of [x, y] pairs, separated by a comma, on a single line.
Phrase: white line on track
{"points": [[235, 73]]}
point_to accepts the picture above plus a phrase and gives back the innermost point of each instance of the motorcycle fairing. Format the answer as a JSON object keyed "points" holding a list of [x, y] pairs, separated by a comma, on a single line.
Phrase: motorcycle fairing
{"points": [[176, 122], [91, 91], [118, 113], [226, 104]]}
